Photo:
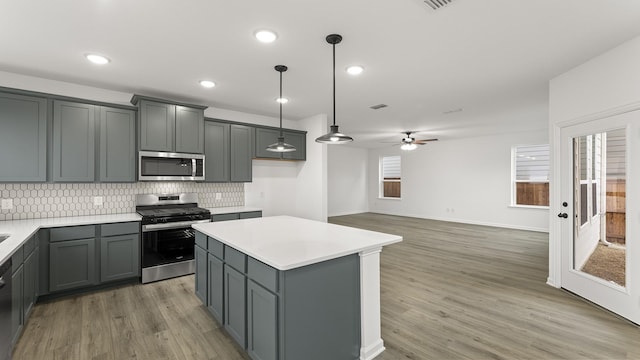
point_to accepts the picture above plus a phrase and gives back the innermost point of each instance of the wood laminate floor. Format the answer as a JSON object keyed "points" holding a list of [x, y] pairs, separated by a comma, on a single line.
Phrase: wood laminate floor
{"points": [[448, 291]]}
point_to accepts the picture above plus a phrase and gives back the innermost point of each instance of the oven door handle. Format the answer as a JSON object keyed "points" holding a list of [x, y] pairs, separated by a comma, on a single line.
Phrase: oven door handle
{"points": [[173, 225]]}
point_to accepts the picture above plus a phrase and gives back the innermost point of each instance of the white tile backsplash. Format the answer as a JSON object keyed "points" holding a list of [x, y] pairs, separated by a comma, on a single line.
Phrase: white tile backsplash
{"points": [[32, 201]]}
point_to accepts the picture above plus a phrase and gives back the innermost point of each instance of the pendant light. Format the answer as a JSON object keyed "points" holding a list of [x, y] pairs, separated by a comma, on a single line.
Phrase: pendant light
{"points": [[334, 136], [281, 146]]}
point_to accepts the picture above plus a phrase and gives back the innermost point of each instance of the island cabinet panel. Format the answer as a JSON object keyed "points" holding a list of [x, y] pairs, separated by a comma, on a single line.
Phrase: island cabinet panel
{"points": [[73, 142], [117, 145], [215, 287], [216, 151], [241, 153], [157, 126], [235, 299], [189, 130], [23, 138], [200, 256], [262, 322]]}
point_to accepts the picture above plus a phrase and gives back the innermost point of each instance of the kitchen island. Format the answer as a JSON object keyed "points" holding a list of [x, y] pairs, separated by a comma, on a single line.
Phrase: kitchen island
{"points": [[292, 288]]}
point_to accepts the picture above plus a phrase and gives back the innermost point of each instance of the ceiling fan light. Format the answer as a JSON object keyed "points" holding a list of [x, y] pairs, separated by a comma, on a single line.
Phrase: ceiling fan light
{"points": [[334, 137], [408, 147]]}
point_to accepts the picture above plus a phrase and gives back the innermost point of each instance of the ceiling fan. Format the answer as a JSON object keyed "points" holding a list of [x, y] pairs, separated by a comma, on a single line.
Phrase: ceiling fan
{"points": [[410, 143]]}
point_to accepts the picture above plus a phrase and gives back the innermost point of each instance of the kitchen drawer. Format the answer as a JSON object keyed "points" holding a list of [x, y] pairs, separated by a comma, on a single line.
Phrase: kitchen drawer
{"points": [[235, 259], [215, 247], [17, 259], [201, 239], [72, 233], [262, 274], [224, 217], [250, 214], [30, 245], [120, 228]]}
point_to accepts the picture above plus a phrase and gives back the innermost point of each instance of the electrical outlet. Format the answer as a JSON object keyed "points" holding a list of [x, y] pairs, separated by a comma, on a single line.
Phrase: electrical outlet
{"points": [[7, 204], [218, 196], [97, 201]]}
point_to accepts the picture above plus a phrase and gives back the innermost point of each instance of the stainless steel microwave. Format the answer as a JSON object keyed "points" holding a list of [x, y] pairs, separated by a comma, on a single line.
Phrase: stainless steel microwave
{"points": [[164, 166]]}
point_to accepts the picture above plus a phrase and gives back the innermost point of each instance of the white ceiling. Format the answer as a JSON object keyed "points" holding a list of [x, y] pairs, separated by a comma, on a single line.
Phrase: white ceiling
{"points": [[491, 58]]}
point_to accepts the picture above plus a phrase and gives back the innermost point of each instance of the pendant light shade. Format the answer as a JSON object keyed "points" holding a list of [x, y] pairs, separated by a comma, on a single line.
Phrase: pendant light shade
{"points": [[280, 145], [334, 136]]}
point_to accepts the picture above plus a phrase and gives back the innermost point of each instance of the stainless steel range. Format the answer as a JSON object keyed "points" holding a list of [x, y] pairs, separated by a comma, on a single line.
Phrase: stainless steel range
{"points": [[167, 237]]}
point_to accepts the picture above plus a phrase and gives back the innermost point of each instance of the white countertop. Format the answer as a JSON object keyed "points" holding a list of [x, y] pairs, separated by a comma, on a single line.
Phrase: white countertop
{"points": [[286, 242], [21, 230], [231, 209]]}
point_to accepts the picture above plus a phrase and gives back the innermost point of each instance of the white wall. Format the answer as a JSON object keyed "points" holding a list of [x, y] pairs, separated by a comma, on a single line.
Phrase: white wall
{"points": [[293, 188], [465, 180], [348, 184], [605, 85]]}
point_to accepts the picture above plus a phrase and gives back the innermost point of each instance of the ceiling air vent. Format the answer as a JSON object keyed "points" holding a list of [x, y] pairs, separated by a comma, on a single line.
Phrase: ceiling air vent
{"points": [[437, 4], [377, 107]]}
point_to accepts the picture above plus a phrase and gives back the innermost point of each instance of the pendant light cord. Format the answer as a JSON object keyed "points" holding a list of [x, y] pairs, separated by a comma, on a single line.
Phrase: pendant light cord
{"points": [[334, 84], [280, 102]]}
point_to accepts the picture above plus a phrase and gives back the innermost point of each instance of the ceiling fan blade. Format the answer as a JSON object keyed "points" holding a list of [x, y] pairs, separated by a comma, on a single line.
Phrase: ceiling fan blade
{"points": [[424, 141]]}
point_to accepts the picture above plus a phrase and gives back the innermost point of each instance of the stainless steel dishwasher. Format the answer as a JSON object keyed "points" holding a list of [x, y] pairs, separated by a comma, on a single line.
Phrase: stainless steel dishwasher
{"points": [[5, 310]]}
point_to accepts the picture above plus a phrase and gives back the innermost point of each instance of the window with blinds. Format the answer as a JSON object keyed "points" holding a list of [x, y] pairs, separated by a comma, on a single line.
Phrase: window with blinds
{"points": [[390, 178], [531, 175]]}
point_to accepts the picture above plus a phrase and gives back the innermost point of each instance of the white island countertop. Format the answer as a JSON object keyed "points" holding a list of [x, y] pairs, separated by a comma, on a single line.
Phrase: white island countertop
{"points": [[286, 242]]}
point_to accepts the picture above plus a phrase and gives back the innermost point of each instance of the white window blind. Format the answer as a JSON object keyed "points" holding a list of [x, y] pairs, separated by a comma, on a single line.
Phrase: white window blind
{"points": [[391, 167], [532, 163]]}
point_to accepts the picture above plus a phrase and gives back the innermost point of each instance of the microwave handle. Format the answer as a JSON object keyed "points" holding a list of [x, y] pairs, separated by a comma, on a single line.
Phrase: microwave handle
{"points": [[193, 167]]}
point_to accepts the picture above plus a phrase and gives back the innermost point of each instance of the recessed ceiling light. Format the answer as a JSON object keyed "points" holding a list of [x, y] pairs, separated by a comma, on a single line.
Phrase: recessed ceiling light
{"points": [[355, 69], [266, 36], [207, 83], [97, 59], [282, 100]]}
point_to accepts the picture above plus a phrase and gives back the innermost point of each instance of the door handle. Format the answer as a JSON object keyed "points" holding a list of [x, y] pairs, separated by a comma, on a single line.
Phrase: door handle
{"points": [[563, 215]]}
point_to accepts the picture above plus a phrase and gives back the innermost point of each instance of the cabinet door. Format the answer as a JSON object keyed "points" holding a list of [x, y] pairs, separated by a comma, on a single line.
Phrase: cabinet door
{"points": [[73, 142], [189, 130], [119, 257], [299, 140], [250, 214], [117, 145], [241, 153], [216, 152], [157, 126], [215, 288], [23, 138], [30, 283], [17, 314], [201, 273], [262, 323], [235, 300], [71, 264], [264, 138]]}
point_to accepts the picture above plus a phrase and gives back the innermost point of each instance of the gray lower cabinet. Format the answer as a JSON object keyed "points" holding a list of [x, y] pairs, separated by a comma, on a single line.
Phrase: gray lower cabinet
{"points": [[119, 257], [236, 216], [262, 322], [216, 151], [235, 302], [24, 285], [30, 282], [250, 214], [215, 287], [73, 142], [117, 145], [241, 153], [23, 138], [72, 264], [200, 256], [17, 315]]}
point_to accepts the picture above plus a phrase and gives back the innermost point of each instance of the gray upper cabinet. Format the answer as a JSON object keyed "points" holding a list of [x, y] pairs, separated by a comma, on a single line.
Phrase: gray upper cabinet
{"points": [[23, 138], [216, 151], [157, 126], [267, 136], [241, 153], [170, 127], [299, 140], [189, 130], [117, 145], [73, 142]]}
